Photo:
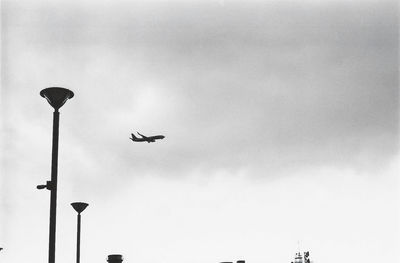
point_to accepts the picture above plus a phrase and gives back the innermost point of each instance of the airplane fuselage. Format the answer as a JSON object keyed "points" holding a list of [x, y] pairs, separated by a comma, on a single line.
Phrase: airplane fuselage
{"points": [[148, 139]]}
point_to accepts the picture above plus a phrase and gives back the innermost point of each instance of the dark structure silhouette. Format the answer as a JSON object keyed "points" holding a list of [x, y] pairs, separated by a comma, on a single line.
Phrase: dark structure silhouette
{"points": [[115, 258], [299, 257], [307, 257], [56, 97], [79, 207], [148, 139]]}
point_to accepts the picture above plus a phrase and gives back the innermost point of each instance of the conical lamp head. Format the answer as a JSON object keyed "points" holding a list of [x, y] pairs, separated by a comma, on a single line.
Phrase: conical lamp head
{"points": [[115, 258], [56, 96], [79, 207]]}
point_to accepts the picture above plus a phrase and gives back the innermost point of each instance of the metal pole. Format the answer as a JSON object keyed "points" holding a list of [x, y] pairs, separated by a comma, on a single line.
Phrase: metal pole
{"points": [[53, 188], [78, 240]]}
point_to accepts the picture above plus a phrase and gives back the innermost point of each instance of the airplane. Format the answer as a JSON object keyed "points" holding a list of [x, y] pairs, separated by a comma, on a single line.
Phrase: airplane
{"points": [[145, 138]]}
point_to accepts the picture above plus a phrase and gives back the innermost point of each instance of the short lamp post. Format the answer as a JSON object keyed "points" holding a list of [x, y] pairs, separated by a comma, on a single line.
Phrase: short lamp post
{"points": [[56, 97], [79, 207]]}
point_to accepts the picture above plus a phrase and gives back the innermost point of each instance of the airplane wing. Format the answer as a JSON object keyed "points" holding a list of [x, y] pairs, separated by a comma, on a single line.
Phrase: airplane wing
{"points": [[142, 135], [136, 139]]}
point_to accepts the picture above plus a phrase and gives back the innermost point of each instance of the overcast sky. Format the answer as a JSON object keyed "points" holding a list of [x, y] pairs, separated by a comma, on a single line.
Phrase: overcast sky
{"points": [[280, 117]]}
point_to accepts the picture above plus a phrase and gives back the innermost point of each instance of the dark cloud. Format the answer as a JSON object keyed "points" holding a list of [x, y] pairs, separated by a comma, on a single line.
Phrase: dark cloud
{"points": [[255, 85]]}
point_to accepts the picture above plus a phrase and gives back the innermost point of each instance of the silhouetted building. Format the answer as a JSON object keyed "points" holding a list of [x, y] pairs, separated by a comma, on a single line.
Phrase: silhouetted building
{"points": [[114, 258], [299, 258], [239, 261]]}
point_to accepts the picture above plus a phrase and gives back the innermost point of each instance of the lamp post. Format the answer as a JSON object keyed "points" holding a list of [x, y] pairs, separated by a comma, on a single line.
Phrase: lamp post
{"points": [[56, 97], [79, 207]]}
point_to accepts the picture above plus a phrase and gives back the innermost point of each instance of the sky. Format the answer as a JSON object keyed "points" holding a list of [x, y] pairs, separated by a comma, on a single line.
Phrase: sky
{"points": [[280, 117]]}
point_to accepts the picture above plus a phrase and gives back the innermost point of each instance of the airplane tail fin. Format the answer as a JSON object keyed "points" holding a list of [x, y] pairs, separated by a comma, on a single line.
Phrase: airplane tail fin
{"points": [[133, 136]]}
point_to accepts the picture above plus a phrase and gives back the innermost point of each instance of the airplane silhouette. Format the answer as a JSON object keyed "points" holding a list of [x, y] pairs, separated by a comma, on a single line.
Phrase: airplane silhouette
{"points": [[145, 138]]}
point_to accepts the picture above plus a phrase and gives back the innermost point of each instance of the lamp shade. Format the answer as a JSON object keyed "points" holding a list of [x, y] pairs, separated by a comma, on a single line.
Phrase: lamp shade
{"points": [[79, 207], [115, 258], [56, 96]]}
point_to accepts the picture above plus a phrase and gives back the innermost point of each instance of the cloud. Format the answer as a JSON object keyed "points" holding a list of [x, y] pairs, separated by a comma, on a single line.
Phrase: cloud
{"points": [[261, 85]]}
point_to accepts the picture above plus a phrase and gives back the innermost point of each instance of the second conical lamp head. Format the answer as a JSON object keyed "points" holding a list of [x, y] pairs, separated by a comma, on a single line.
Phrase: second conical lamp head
{"points": [[56, 96], [79, 207]]}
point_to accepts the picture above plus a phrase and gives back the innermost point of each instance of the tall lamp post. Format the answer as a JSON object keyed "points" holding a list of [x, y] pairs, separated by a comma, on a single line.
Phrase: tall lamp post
{"points": [[79, 207], [56, 97]]}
